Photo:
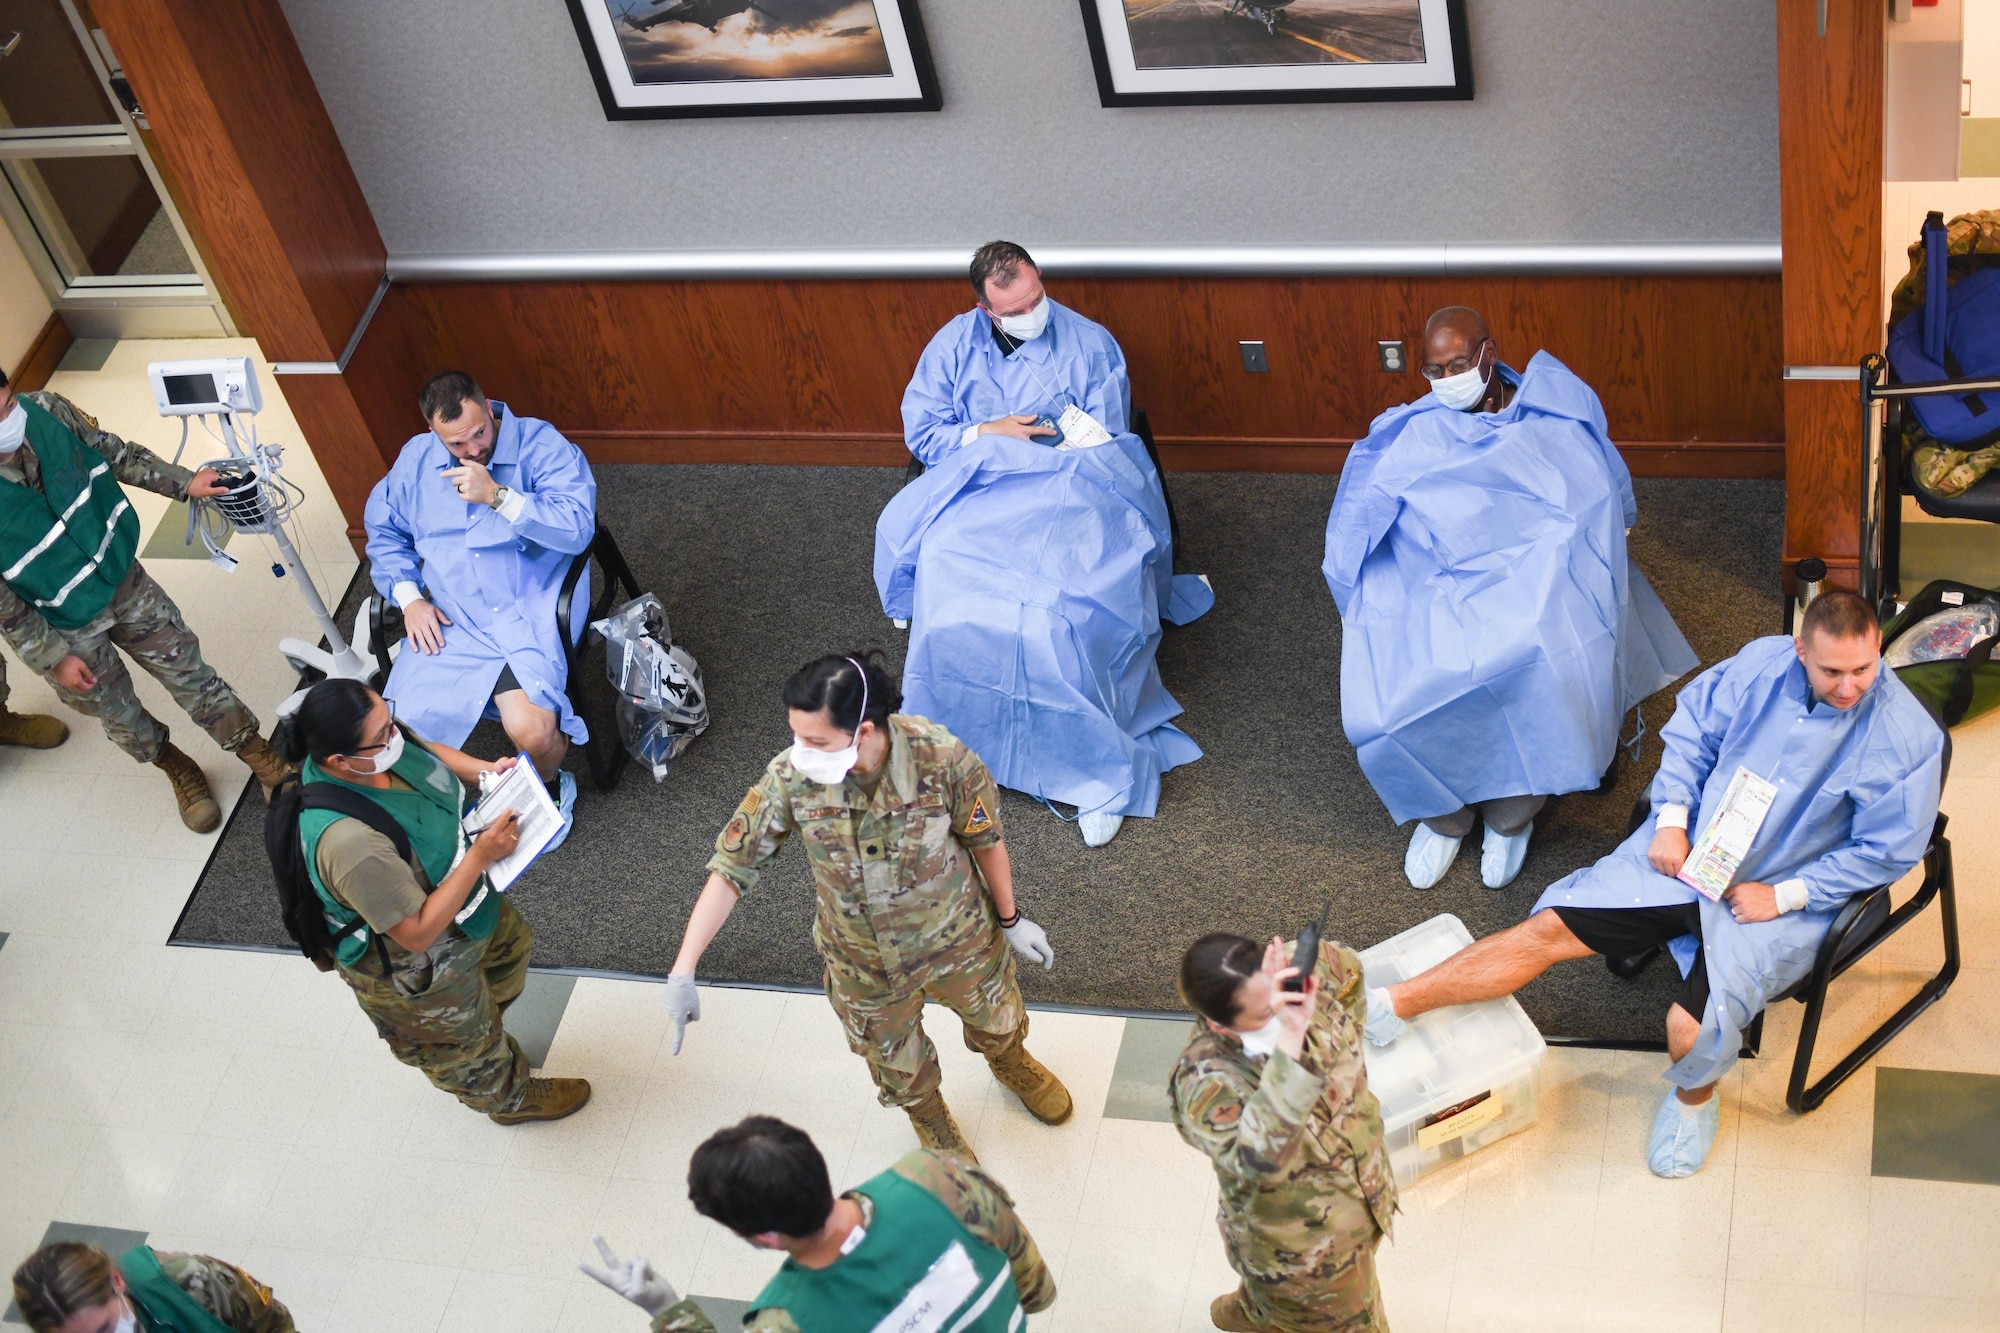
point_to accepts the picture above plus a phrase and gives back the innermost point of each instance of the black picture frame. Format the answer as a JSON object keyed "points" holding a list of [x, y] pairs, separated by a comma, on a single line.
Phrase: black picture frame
{"points": [[621, 100], [1111, 94]]}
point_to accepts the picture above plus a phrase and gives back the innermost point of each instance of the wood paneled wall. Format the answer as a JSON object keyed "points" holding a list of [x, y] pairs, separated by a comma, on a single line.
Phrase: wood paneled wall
{"points": [[1830, 177], [813, 371]]}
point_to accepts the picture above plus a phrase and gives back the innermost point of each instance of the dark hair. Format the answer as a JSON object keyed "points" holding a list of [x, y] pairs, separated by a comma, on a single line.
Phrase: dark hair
{"points": [[761, 1175], [997, 259], [445, 395], [1840, 613], [833, 685], [327, 721], [1213, 971], [58, 1280]]}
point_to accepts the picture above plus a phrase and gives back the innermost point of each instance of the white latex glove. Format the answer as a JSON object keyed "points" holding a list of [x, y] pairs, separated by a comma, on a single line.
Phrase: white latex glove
{"points": [[635, 1280], [1031, 942], [683, 1005]]}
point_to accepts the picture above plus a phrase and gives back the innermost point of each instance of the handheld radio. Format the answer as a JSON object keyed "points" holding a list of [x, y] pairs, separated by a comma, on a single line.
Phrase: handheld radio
{"points": [[1306, 956]]}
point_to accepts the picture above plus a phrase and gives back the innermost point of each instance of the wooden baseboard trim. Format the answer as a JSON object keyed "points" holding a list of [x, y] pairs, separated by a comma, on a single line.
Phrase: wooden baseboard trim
{"points": [[44, 355], [1760, 459]]}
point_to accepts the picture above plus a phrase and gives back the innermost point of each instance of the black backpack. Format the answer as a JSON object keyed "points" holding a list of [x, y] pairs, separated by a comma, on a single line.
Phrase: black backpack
{"points": [[299, 902]]}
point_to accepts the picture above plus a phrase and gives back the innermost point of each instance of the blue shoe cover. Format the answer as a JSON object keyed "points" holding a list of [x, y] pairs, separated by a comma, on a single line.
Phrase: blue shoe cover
{"points": [[566, 784], [1430, 855], [1501, 856], [1680, 1143], [1383, 1025]]}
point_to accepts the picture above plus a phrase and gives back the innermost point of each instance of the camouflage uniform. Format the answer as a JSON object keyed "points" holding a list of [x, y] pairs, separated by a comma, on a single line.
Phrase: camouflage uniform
{"points": [[976, 1199], [227, 1292], [141, 619], [439, 1010], [903, 914], [1306, 1189]]}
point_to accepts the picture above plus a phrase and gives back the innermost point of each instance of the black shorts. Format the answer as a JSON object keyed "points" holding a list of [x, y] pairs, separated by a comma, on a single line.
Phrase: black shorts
{"points": [[1620, 932], [506, 682]]}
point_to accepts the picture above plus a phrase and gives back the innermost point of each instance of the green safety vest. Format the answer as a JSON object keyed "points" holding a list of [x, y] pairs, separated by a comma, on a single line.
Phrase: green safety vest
{"points": [[429, 814], [65, 549], [161, 1306], [918, 1270]]}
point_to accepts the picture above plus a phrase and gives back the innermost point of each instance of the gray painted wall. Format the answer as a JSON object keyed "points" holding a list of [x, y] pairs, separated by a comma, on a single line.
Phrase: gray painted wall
{"points": [[474, 127]]}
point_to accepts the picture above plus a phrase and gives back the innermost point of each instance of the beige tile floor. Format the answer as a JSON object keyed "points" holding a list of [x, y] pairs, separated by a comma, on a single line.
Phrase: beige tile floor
{"points": [[237, 1103]]}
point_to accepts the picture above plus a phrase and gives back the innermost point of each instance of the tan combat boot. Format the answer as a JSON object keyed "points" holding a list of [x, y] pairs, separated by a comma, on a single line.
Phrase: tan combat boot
{"points": [[1227, 1312], [936, 1130], [1039, 1090], [547, 1099], [198, 808], [269, 766], [32, 730]]}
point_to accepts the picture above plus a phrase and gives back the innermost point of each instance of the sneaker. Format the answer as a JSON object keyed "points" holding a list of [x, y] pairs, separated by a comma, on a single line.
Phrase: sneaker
{"points": [[566, 784], [1430, 855], [1098, 828], [1501, 856], [547, 1099]]}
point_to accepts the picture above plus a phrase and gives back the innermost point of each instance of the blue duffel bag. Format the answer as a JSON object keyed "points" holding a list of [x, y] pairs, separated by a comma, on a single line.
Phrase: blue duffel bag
{"points": [[1954, 334]]}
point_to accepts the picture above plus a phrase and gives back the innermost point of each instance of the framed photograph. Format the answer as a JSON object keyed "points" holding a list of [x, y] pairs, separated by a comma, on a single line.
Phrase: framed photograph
{"points": [[664, 58], [1222, 52]]}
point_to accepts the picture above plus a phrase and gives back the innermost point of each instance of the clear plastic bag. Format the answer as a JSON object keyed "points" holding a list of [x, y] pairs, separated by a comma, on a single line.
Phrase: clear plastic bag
{"points": [[1946, 636], [662, 704]]}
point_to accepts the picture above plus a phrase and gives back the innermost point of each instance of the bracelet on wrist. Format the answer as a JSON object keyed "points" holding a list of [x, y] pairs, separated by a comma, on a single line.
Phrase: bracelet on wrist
{"points": [[1009, 922]]}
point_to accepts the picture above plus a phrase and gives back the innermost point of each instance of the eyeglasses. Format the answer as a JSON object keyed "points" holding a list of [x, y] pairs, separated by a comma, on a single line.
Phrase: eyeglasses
{"points": [[383, 745], [1458, 365]]}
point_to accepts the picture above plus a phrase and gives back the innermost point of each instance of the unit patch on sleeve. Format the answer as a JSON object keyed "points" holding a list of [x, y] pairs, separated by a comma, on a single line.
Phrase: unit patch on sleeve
{"points": [[980, 820], [734, 834]]}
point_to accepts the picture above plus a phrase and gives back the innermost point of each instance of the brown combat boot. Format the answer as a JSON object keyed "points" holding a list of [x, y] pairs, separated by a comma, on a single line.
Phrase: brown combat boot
{"points": [[1039, 1090], [936, 1130], [32, 730], [198, 808], [547, 1099], [1227, 1312], [269, 766]]}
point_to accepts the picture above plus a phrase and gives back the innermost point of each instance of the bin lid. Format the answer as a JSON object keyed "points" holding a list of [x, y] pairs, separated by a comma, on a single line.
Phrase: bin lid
{"points": [[1448, 1055]]}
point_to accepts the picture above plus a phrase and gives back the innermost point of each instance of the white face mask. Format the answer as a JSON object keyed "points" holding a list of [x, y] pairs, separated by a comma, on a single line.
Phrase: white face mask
{"points": [[383, 759], [1028, 327], [1462, 392], [13, 428], [1260, 1042], [127, 1323], [832, 766]]}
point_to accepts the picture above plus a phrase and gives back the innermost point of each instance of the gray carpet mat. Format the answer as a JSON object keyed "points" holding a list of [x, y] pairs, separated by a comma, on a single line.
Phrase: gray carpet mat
{"points": [[762, 568]]}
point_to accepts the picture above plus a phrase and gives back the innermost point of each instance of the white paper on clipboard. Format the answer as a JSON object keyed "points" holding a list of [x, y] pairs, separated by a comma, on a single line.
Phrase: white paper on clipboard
{"points": [[1715, 857], [521, 790]]}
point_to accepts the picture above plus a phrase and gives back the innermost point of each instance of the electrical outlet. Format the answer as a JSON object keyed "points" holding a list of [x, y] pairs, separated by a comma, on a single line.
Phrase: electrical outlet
{"points": [[1391, 352], [1253, 356]]}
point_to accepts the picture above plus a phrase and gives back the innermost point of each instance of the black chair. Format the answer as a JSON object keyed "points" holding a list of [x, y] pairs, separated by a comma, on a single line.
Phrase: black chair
{"points": [[603, 753], [1980, 502], [1142, 426], [1863, 923]]}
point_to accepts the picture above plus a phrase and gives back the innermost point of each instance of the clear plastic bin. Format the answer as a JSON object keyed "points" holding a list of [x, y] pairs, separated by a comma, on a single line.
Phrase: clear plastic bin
{"points": [[1460, 1078]]}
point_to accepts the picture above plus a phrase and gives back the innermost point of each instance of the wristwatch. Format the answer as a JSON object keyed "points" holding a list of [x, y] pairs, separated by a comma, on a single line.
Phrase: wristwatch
{"points": [[500, 494]]}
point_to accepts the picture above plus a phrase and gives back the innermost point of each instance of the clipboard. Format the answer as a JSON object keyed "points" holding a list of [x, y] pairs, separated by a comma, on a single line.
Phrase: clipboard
{"points": [[521, 790]]}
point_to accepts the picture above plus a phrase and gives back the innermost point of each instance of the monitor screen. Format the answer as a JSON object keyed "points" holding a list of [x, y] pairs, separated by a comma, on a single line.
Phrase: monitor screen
{"points": [[188, 390]]}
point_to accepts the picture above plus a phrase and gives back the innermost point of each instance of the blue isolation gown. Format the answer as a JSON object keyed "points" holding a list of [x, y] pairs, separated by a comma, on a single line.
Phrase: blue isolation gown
{"points": [[963, 379], [496, 580], [1035, 581], [1857, 797], [1493, 631]]}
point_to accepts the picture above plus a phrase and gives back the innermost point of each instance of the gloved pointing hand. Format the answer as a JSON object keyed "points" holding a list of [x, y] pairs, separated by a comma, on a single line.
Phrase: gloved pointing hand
{"points": [[683, 1005], [1030, 941], [635, 1280]]}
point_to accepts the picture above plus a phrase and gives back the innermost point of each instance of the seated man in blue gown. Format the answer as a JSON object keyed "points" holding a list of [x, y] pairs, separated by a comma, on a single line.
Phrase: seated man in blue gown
{"points": [[471, 533], [1856, 762], [1493, 631], [1034, 559]]}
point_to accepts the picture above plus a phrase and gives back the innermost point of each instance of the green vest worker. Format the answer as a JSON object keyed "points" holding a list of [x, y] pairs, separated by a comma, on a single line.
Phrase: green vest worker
{"points": [[916, 896], [70, 1287], [930, 1245], [72, 595], [1273, 1090], [433, 954]]}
